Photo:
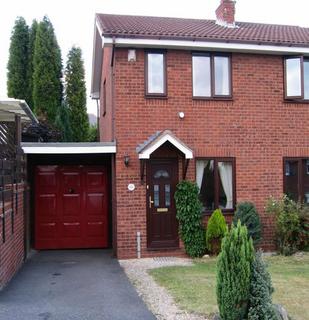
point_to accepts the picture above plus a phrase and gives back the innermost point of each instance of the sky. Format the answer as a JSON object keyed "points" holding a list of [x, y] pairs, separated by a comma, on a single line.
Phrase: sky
{"points": [[73, 20]]}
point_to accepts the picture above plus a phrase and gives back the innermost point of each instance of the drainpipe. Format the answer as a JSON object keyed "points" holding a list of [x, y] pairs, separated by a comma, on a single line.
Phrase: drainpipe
{"points": [[98, 120], [138, 242], [113, 90]]}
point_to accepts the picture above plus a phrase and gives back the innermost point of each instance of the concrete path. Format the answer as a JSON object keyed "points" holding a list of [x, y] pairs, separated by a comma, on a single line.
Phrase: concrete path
{"points": [[72, 284]]}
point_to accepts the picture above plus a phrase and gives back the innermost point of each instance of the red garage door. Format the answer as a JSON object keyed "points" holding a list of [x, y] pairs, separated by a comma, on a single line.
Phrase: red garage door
{"points": [[70, 207]]}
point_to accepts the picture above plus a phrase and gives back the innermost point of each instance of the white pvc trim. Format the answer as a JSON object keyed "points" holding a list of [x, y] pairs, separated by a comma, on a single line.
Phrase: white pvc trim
{"points": [[148, 151], [206, 45], [69, 150]]}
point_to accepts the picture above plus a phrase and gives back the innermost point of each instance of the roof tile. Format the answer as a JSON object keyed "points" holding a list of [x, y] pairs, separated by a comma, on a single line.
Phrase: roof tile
{"points": [[203, 30]]}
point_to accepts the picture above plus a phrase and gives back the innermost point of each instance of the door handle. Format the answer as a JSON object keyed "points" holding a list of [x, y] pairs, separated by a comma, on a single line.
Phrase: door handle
{"points": [[150, 202]]}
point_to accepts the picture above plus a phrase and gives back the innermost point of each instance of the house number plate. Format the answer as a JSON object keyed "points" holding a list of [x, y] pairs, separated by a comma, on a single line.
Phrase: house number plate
{"points": [[162, 210]]}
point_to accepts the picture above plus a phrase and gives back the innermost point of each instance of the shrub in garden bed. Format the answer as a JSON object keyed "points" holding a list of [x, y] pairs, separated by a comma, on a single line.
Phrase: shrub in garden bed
{"points": [[189, 209], [216, 229], [292, 219], [248, 216]]}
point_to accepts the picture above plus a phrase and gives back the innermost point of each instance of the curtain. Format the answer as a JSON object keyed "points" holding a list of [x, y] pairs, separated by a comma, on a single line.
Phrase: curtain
{"points": [[226, 176], [200, 166]]}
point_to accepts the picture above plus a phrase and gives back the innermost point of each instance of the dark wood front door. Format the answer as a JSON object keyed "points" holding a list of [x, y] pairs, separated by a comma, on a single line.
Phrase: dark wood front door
{"points": [[162, 225]]}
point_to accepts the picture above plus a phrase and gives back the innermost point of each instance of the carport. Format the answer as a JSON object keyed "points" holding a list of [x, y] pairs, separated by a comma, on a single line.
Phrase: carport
{"points": [[70, 195]]}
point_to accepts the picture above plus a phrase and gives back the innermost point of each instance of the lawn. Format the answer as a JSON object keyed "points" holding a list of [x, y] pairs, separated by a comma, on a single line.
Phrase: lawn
{"points": [[193, 288]]}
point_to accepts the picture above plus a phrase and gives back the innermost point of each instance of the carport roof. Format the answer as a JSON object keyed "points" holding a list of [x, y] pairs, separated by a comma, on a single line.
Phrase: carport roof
{"points": [[10, 107], [68, 147]]}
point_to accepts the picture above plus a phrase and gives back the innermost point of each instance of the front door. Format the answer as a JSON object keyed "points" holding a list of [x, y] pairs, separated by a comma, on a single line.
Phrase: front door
{"points": [[162, 225]]}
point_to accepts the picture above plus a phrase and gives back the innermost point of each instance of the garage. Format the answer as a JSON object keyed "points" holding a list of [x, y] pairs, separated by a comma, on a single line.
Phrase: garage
{"points": [[71, 190], [70, 207]]}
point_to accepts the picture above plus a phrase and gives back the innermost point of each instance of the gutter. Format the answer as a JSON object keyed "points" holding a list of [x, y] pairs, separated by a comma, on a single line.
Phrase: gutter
{"points": [[206, 45]]}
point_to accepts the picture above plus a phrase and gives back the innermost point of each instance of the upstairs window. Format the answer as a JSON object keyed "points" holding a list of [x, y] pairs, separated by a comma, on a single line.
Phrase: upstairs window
{"points": [[296, 70], [211, 75], [155, 73]]}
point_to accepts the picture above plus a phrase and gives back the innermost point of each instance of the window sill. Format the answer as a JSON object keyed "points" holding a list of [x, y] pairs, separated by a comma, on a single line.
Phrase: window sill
{"points": [[224, 212], [295, 101], [213, 98], [149, 96]]}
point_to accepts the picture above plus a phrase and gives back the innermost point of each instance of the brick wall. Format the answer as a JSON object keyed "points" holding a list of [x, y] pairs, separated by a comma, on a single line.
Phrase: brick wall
{"points": [[257, 127], [12, 250]]}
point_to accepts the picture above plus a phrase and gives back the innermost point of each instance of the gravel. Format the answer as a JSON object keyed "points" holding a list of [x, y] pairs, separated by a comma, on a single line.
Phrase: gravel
{"points": [[157, 298]]}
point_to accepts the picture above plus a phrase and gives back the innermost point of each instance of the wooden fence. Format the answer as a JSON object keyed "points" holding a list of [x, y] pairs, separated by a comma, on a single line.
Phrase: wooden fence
{"points": [[12, 171]]}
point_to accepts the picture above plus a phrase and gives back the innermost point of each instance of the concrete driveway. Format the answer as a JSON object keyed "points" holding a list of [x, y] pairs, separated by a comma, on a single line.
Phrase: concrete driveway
{"points": [[71, 284]]}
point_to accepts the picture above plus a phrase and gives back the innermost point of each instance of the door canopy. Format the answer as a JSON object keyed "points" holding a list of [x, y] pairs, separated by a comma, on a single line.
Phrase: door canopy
{"points": [[157, 140]]}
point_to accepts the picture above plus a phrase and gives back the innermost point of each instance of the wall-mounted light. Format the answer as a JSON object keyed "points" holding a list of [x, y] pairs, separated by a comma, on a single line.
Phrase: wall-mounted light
{"points": [[126, 160], [131, 55], [181, 114]]}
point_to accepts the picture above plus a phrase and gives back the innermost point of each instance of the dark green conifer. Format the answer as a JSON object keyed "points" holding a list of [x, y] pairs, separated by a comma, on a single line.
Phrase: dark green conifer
{"points": [[75, 95], [18, 60]]}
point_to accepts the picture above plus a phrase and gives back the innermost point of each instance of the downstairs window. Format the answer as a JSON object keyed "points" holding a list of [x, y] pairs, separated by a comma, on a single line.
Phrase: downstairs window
{"points": [[216, 181], [296, 179]]}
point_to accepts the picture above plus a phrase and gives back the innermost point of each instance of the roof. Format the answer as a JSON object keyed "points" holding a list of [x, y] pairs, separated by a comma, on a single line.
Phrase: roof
{"points": [[11, 107], [68, 147], [155, 141], [128, 26]]}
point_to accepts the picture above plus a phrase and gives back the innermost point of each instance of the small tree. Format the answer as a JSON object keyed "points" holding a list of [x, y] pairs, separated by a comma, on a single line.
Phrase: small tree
{"points": [[248, 216], [75, 95], [189, 210], [216, 229], [47, 73], [18, 60], [260, 302], [93, 133], [63, 124], [233, 273]]}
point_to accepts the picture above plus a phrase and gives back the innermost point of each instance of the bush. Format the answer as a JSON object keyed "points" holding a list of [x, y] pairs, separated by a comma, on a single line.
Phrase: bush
{"points": [[216, 229], [233, 273], [189, 210], [260, 302], [248, 216], [291, 224]]}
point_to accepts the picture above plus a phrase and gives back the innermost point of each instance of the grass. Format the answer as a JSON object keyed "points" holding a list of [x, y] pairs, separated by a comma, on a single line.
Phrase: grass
{"points": [[193, 287]]}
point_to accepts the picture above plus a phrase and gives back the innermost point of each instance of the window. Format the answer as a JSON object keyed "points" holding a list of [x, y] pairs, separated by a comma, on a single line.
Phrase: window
{"points": [[216, 181], [296, 179], [155, 73], [211, 75], [296, 78]]}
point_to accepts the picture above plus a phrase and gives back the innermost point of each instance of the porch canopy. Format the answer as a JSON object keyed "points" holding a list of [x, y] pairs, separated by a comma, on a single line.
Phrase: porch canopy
{"points": [[154, 142], [68, 147]]}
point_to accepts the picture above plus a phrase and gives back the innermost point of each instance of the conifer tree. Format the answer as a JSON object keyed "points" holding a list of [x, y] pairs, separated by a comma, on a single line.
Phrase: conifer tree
{"points": [[233, 273], [32, 36], [47, 73], [260, 302], [18, 60], [75, 95], [63, 123]]}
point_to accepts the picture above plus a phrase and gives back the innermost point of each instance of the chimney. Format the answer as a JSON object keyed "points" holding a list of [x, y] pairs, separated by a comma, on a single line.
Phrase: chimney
{"points": [[225, 13]]}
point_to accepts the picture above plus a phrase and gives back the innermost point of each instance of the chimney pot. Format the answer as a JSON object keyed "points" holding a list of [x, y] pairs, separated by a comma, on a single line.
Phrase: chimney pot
{"points": [[225, 13]]}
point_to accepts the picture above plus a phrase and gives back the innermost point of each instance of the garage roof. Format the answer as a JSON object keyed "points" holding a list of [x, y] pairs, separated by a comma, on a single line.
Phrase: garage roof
{"points": [[68, 147]]}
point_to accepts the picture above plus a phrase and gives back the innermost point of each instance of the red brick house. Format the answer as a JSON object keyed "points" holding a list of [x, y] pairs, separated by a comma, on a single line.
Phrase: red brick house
{"points": [[222, 103]]}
